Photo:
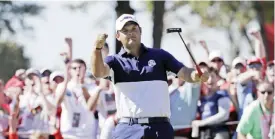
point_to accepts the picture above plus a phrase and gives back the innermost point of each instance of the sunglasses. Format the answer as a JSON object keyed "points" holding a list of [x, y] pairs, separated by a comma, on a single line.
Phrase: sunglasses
{"points": [[255, 66], [217, 60], [268, 92]]}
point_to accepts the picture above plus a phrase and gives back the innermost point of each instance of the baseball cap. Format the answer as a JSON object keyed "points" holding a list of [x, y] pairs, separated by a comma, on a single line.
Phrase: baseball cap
{"points": [[123, 19], [215, 54], [44, 70], [238, 60], [56, 74], [33, 71], [254, 59], [20, 72]]}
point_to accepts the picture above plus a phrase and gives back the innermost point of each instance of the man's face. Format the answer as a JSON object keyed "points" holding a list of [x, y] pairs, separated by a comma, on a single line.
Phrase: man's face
{"points": [[217, 63], [204, 67], [129, 35], [270, 73], [77, 70], [266, 94], [212, 82]]}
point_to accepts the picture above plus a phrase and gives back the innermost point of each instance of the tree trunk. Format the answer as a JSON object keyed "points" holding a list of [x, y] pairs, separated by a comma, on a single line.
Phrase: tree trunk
{"points": [[158, 13], [123, 7]]}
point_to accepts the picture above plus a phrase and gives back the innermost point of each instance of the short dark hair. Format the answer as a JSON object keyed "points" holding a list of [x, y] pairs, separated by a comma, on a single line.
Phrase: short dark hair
{"points": [[79, 61]]}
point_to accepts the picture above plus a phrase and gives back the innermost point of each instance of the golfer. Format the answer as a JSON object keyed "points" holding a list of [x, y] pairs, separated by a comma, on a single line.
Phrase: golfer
{"points": [[140, 80]]}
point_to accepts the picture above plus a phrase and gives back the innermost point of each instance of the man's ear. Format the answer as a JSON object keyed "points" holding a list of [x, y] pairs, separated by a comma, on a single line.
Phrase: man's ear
{"points": [[140, 30], [117, 36]]}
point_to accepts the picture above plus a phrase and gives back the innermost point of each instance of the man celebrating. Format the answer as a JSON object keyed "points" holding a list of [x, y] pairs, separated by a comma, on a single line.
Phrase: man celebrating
{"points": [[140, 79]]}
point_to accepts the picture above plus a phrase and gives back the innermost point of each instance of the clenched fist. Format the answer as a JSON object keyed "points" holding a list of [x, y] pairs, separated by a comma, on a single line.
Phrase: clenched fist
{"points": [[100, 40], [200, 78]]}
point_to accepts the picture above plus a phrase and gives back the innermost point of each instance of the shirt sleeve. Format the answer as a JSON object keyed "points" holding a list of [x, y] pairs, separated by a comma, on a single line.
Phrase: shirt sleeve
{"points": [[59, 92], [109, 60], [246, 123], [13, 136], [170, 62]]}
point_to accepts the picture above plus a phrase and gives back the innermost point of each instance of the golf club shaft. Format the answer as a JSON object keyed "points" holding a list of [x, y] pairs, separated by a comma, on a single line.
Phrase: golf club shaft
{"points": [[193, 59]]}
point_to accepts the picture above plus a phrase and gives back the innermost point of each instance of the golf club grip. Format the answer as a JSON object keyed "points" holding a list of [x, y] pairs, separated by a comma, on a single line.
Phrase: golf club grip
{"points": [[172, 30], [198, 70]]}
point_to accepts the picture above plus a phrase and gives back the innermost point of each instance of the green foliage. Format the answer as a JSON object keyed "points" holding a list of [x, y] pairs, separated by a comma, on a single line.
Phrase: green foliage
{"points": [[12, 13], [223, 13], [11, 58]]}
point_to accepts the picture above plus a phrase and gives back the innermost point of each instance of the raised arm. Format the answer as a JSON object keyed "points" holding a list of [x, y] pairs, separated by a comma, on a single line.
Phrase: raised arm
{"points": [[259, 44], [99, 69], [50, 108], [61, 89], [204, 45]]}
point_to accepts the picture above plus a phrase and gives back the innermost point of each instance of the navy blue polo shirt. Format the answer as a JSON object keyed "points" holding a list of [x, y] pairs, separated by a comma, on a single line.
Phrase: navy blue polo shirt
{"points": [[140, 80]]}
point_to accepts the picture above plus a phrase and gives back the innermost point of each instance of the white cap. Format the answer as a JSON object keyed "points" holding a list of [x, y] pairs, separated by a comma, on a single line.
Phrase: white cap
{"points": [[19, 72], [123, 19], [32, 71], [215, 54], [56, 74], [238, 60]]}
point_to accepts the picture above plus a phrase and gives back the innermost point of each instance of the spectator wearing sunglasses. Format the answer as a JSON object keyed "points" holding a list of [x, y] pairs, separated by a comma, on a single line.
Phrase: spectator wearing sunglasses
{"points": [[257, 118], [246, 83]]}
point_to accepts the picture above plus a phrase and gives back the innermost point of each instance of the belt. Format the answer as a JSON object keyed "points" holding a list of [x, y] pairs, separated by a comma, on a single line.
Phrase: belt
{"points": [[145, 120]]}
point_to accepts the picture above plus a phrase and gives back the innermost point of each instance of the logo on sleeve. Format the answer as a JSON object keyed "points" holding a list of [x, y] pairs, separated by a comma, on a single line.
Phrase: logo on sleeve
{"points": [[151, 63]]}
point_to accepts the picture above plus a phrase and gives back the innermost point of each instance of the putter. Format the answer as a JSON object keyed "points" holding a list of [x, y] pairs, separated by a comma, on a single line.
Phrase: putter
{"points": [[178, 30]]}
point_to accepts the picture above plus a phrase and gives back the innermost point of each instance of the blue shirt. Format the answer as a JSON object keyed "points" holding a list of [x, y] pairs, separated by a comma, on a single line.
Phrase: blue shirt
{"points": [[141, 82], [183, 103], [245, 96]]}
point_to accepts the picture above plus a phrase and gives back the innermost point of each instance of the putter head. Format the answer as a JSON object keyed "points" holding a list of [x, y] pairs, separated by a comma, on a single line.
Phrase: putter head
{"points": [[172, 30]]}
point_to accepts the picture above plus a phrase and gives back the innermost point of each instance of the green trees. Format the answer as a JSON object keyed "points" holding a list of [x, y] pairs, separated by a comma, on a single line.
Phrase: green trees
{"points": [[12, 20]]}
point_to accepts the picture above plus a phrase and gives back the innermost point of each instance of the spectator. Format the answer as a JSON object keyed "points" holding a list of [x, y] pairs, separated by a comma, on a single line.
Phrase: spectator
{"points": [[56, 78], [77, 121], [45, 79], [217, 62], [247, 82], [257, 117], [106, 102], [17, 80], [183, 103], [214, 109]]}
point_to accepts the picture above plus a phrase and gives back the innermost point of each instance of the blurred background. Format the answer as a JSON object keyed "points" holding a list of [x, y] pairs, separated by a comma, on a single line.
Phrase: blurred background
{"points": [[32, 33]]}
